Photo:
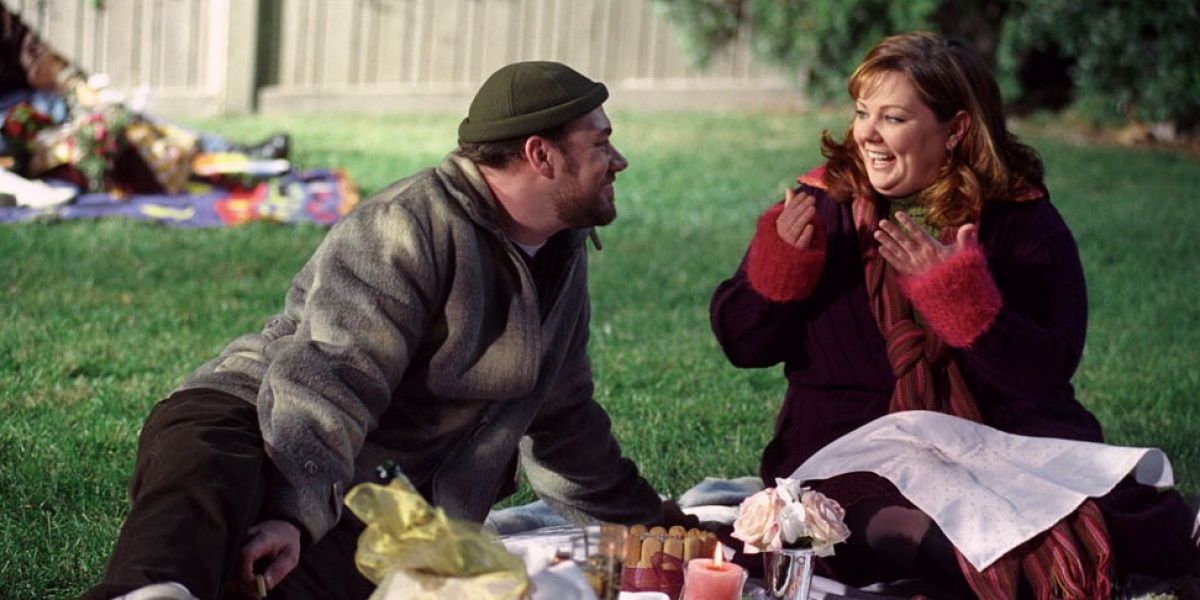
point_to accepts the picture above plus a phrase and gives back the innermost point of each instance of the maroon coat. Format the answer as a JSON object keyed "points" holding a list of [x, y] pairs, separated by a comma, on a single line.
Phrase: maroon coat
{"points": [[1018, 369]]}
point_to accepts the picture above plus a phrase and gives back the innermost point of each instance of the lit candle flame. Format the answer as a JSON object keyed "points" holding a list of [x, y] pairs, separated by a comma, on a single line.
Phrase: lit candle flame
{"points": [[719, 557]]}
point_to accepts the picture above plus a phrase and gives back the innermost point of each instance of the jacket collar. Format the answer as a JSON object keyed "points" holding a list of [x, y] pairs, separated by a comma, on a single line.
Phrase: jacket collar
{"points": [[477, 200]]}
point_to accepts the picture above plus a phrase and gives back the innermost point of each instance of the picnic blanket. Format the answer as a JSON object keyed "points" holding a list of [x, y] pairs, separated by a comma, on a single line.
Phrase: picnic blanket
{"points": [[318, 196]]}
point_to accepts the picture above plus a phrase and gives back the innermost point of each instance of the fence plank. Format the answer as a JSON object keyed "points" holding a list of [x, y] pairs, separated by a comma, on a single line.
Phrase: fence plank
{"points": [[394, 22], [338, 44], [496, 37], [445, 60], [173, 60], [121, 30], [239, 67], [289, 44]]}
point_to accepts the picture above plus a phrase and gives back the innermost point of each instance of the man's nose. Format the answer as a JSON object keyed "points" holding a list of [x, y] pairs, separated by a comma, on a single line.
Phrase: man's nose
{"points": [[618, 162]]}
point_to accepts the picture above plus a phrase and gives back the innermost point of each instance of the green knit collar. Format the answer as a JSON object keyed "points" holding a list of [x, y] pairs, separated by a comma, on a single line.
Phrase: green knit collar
{"points": [[905, 204], [913, 206]]}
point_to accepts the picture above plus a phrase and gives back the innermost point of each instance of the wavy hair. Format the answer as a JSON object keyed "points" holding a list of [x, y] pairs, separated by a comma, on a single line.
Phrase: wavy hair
{"points": [[989, 163]]}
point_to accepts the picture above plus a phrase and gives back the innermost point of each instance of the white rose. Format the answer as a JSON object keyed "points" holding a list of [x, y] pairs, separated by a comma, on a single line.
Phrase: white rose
{"points": [[757, 522], [793, 522], [825, 524], [789, 490]]}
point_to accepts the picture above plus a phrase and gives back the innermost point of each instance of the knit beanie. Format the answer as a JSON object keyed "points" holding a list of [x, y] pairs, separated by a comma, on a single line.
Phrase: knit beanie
{"points": [[528, 97]]}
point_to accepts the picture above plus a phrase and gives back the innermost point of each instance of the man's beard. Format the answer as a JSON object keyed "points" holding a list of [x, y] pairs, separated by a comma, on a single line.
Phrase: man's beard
{"points": [[578, 209]]}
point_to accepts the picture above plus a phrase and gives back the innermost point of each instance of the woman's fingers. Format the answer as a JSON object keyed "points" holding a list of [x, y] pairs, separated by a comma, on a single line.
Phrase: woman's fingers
{"points": [[802, 217], [806, 236], [888, 246], [968, 236], [912, 250], [795, 205], [897, 258], [908, 234], [888, 234], [799, 210], [909, 249]]}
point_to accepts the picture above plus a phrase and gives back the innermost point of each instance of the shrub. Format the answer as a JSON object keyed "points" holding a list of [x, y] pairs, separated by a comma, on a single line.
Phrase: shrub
{"points": [[821, 41], [1133, 60], [1114, 58]]}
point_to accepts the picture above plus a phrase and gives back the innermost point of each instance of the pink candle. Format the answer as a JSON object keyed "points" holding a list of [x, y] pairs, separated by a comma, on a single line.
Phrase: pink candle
{"points": [[707, 579]]}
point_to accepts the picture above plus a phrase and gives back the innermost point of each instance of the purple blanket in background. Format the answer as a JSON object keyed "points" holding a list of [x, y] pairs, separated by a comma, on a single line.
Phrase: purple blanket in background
{"points": [[319, 196]]}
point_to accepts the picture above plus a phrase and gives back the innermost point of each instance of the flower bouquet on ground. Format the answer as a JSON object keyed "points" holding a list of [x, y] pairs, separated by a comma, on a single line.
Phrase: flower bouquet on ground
{"points": [[19, 126], [790, 524]]}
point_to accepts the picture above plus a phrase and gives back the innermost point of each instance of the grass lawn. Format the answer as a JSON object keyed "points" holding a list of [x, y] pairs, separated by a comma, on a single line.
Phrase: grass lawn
{"points": [[102, 319]]}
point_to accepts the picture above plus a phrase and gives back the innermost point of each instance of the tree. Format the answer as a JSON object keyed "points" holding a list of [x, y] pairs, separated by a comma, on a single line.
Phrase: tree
{"points": [[1127, 59], [1123, 58], [821, 41]]}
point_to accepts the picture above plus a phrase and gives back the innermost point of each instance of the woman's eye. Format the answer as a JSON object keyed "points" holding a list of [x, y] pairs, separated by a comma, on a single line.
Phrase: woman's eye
{"points": [[861, 114], [892, 119]]}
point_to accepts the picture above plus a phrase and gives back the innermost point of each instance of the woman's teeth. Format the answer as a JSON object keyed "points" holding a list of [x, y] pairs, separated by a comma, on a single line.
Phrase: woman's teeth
{"points": [[879, 157]]}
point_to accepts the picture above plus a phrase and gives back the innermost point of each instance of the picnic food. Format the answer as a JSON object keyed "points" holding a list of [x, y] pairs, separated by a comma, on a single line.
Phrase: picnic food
{"points": [[654, 557], [642, 544]]}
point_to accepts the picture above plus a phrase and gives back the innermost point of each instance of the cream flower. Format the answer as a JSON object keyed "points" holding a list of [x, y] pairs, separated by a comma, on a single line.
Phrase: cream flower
{"points": [[758, 523], [789, 490], [825, 525], [790, 515], [793, 522]]}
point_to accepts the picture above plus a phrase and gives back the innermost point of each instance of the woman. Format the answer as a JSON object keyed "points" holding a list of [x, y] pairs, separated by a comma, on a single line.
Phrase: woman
{"points": [[923, 267]]}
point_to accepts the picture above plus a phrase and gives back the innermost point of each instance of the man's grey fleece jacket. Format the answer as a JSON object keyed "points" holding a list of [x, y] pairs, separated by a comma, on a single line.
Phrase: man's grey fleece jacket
{"points": [[414, 333]]}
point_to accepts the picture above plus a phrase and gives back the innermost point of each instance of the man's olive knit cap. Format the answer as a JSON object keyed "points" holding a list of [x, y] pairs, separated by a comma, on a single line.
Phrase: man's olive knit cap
{"points": [[526, 98]]}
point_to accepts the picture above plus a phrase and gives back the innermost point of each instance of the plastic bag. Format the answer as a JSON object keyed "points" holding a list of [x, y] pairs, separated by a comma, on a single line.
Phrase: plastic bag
{"points": [[413, 550]]}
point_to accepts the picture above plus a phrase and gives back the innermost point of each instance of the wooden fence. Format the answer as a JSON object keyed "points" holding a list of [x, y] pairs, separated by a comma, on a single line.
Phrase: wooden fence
{"points": [[225, 56]]}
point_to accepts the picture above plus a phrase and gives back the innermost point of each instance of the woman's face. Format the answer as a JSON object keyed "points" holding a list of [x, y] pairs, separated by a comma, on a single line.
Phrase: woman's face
{"points": [[902, 142]]}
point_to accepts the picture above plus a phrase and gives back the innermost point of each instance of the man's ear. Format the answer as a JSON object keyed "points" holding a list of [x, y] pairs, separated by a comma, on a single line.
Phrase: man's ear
{"points": [[538, 152]]}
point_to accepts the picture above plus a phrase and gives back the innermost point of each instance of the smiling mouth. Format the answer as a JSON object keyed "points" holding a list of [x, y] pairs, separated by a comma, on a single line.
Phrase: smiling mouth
{"points": [[879, 159]]}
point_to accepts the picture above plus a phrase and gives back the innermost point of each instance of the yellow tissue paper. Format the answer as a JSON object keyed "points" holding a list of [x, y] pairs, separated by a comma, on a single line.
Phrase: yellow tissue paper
{"points": [[413, 550]]}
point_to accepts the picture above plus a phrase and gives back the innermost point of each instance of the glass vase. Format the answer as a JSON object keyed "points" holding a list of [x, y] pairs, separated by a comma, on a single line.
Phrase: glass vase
{"points": [[788, 573]]}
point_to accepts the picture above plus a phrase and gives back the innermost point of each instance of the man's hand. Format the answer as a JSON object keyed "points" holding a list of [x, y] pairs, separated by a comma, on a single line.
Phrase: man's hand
{"points": [[277, 544], [795, 225], [673, 515]]}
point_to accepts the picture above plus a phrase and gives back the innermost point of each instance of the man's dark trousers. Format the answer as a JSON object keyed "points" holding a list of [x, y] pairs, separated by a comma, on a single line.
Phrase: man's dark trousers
{"points": [[198, 485]]}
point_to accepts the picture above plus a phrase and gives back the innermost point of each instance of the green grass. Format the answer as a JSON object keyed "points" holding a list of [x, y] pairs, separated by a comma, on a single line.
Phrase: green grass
{"points": [[101, 319]]}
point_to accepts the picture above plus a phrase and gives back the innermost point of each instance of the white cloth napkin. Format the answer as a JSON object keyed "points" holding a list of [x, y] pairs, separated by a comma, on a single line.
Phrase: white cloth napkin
{"points": [[563, 581], [988, 490], [551, 580]]}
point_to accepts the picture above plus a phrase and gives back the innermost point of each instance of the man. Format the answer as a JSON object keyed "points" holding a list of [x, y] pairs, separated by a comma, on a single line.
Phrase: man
{"points": [[443, 325]]}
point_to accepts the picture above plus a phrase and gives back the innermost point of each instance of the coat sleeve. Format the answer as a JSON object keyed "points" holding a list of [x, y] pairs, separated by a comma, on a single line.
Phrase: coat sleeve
{"points": [[754, 313], [958, 298], [1035, 342], [369, 293], [571, 458]]}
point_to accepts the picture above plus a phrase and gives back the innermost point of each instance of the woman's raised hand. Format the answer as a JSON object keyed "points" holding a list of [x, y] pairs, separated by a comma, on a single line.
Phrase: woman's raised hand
{"points": [[912, 251], [795, 224]]}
